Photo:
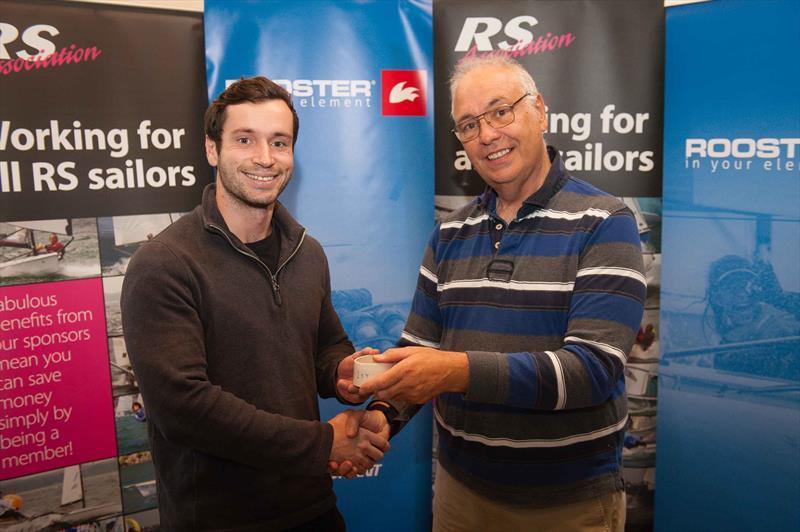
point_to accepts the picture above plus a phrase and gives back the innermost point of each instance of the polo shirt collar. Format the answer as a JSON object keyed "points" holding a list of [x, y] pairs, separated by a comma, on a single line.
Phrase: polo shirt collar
{"points": [[553, 182]]}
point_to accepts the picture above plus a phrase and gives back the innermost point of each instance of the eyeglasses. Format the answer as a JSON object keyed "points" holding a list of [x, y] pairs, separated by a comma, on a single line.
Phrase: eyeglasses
{"points": [[498, 117]]}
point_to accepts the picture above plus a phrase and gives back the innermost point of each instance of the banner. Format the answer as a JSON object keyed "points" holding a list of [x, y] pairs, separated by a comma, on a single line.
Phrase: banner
{"points": [[598, 66], [101, 140], [94, 118], [361, 78], [729, 409]]}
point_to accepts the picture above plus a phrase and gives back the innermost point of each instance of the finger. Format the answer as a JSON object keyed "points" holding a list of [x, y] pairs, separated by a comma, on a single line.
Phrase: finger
{"points": [[352, 424], [348, 392], [343, 386], [344, 469], [378, 441], [365, 351], [373, 420], [352, 473], [355, 391], [382, 381], [364, 463], [396, 391], [396, 354], [333, 467], [371, 452]]}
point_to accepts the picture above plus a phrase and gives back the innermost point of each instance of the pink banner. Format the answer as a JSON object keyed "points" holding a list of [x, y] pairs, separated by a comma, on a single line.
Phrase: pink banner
{"points": [[55, 390]]}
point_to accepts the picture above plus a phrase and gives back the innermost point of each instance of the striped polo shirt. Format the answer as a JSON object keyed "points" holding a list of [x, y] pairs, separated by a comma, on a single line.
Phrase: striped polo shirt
{"points": [[547, 308]]}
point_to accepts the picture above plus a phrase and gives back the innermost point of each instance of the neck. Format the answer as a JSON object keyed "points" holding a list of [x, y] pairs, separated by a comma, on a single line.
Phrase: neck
{"points": [[249, 224], [511, 196]]}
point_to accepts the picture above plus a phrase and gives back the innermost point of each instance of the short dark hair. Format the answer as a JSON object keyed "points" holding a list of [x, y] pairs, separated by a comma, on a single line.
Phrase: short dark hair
{"points": [[255, 89]]}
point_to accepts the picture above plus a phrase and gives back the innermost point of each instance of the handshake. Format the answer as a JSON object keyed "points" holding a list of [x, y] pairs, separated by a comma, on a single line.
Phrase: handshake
{"points": [[418, 374], [360, 438]]}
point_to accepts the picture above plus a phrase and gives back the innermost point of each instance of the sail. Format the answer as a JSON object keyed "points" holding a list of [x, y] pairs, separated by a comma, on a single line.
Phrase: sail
{"points": [[16, 237], [138, 228], [124, 405], [72, 487], [61, 227]]}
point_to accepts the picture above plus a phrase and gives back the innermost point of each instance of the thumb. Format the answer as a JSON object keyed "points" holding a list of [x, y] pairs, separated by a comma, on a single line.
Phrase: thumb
{"points": [[351, 426], [373, 420]]}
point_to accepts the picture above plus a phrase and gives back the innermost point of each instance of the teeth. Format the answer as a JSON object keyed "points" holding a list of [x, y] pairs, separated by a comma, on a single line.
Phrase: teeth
{"points": [[260, 177], [497, 154]]}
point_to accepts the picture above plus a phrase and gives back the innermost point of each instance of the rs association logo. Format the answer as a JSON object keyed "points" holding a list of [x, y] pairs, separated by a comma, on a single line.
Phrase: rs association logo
{"points": [[403, 92], [47, 55]]}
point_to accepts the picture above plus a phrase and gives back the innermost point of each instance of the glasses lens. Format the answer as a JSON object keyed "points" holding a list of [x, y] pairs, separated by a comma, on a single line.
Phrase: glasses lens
{"points": [[498, 117], [502, 116], [467, 130]]}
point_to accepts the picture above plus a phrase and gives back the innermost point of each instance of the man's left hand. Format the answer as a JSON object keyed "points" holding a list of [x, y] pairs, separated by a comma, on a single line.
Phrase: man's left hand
{"points": [[420, 373], [344, 377], [369, 420]]}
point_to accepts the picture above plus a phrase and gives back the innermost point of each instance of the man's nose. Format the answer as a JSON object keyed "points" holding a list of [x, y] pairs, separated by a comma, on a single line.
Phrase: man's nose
{"points": [[263, 154], [487, 134]]}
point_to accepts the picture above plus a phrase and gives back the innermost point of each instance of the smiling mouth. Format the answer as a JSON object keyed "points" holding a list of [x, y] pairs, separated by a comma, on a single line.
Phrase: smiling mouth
{"points": [[260, 178], [498, 154]]}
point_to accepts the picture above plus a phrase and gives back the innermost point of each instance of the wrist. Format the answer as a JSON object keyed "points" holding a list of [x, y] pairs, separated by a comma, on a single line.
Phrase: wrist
{"points": [[382, 406], [458, 380], [389, 411]]}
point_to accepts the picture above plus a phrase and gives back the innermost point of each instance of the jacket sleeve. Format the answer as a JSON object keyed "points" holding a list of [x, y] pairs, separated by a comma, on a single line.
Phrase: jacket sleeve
{"points": [[164, 335], [604, 315], [332, 343]]}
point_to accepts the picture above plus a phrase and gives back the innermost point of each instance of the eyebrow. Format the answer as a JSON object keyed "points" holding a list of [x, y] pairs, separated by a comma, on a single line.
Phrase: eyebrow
{"points": [[252, 131]]}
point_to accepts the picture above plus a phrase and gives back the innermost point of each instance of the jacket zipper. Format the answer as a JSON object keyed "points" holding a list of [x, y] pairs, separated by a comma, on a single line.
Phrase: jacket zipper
{"points": [[276, 289]]}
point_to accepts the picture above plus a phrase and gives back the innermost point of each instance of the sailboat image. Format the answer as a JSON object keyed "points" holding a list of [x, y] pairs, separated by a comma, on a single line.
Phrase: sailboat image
{"points": [[121, 236], [81, 496], [139, 228], [35, 258]]}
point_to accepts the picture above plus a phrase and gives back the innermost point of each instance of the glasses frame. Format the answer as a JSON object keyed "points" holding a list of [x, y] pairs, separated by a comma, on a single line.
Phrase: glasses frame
{"points": [[482, 116]]}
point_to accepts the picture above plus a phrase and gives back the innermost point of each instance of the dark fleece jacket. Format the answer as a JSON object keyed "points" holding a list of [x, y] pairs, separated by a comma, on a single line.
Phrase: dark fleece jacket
{"points": [[230, 358]]}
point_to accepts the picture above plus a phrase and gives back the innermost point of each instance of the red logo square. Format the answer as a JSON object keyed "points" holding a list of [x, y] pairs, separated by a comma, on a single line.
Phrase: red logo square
{"points": [[403, 92]]}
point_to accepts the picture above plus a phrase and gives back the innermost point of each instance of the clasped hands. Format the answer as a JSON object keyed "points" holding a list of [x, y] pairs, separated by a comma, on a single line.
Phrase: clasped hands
{"points": [[360, 438], [419, 374]]}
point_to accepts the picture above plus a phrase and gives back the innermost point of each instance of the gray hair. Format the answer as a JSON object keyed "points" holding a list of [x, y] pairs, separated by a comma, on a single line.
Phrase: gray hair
{"points": [[468, 64]]}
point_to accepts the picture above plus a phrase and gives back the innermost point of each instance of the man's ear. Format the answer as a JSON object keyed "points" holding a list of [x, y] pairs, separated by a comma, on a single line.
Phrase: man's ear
{"points": [[211, 152], [542, 113]]}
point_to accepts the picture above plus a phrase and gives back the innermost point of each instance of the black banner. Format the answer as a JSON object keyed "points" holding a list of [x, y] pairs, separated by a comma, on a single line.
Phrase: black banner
{"points": [[100, 110], [599, 67]]}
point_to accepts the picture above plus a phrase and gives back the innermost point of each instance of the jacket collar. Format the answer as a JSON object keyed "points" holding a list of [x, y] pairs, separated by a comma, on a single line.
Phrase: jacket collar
{"points": [[291, 231]]}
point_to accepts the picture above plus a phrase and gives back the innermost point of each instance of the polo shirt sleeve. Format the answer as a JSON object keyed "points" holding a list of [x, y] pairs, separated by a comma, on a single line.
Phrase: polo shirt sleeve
{"points": [[604, 314]]}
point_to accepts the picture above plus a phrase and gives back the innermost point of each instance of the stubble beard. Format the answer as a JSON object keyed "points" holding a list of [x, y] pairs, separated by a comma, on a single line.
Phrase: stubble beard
{"points": [[238, 194]]}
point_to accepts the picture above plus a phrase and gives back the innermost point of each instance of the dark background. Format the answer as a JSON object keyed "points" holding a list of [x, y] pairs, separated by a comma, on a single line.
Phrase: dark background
{"points": [[617, 57], [162, 73]]}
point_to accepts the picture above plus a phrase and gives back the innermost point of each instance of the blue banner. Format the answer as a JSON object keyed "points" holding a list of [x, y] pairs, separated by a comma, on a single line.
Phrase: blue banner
{"points": [[361, 78], [729, 407]]}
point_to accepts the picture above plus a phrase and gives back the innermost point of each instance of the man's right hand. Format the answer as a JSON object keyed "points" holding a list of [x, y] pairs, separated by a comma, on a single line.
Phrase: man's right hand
{"points": [[360, 438]]}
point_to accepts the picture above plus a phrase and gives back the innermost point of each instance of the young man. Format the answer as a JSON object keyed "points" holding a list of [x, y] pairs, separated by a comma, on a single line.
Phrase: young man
{"points": [[231, 332], [527, 303]]}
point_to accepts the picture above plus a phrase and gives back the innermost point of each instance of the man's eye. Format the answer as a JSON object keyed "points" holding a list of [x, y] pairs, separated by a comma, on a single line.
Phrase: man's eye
{"points": [[501, 112], [466, 127], [243, 140]]}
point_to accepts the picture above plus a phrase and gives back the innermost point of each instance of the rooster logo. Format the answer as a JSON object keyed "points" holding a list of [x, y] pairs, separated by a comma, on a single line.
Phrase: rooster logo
{"points": [[401, 93]]}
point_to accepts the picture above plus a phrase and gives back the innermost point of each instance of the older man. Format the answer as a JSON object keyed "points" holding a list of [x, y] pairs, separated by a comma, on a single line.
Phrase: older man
{"points": [[528, 301], [231, 332]]}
